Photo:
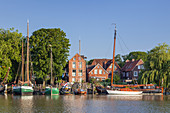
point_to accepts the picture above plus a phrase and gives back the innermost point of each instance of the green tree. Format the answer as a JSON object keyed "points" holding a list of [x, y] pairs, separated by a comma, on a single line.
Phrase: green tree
{"points": [[10, 54], [135, 55], [157, 66], [119, 61], [40, 52]]}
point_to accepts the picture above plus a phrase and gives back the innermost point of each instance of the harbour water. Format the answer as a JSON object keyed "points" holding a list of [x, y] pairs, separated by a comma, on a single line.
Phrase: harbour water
{"points": [[85, 104]]}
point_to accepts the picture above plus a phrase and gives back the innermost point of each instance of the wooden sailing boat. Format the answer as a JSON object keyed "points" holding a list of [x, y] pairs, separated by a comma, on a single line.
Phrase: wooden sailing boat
{"points": [[51, 90], [80, 90], [123, 91], [24, 88]]}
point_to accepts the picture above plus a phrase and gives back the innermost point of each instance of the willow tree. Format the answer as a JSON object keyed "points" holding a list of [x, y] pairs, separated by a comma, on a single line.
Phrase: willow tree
{"points": [[41, 43], [157, 66], [10, 41]]}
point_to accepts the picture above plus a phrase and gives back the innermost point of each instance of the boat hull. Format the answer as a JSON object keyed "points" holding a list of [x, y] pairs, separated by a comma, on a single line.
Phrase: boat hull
{"points": [[23, 90], [55, 91], [116, 92]]}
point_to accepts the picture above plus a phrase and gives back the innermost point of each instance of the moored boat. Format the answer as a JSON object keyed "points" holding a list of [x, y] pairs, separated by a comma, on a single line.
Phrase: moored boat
{"points": [[51, 91], [121, 92], [23, 90]]}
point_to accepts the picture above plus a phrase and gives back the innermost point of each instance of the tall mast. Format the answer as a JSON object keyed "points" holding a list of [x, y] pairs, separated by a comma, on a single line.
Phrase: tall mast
{"points": [[113, 56], [22, 69], [79, 60], [28, 50], [51, 66]]}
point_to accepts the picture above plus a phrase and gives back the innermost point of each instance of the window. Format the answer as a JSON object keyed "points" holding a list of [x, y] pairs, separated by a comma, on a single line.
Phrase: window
{"points": [[135, 73], [74, 58], [80, 72], [103, 72], [123, 74], [139, 67], [127, 74], [98, 66], [74, 73], [100, 71], [110, 66], [95, 71], [92, 72], [81, 79], [73, 79], [80, 64], [74, 65]]}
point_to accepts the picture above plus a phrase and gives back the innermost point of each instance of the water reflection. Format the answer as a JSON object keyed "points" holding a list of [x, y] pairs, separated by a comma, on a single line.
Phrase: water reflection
{"points": [[89, 103], [125, 97]]}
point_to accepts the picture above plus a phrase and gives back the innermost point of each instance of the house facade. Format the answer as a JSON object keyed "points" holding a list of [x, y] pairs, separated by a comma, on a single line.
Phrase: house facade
{"points": [[131, 70], [76, 69], [101, 69]]}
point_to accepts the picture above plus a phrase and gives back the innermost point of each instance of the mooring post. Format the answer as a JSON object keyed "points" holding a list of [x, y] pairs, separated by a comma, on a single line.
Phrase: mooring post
{"points": [[93, 89], [51, 90]]}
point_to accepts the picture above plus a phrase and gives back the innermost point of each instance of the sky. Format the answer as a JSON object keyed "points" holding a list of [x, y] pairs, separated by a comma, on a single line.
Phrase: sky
{"points": [[141, 24]]}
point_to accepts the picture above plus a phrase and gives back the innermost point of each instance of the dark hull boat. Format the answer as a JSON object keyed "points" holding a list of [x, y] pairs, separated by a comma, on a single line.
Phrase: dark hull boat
{"points": [[101, 90]]}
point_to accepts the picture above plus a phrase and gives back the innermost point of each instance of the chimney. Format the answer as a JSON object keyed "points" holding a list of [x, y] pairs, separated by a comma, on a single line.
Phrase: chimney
{"points": [[104, 64], [127, 60], [133, 60]]}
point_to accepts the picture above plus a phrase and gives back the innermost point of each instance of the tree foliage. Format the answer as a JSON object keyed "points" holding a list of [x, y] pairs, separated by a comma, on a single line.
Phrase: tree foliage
{"points": [[157, 66], [135, 55], [40, 51], [10, 56]]}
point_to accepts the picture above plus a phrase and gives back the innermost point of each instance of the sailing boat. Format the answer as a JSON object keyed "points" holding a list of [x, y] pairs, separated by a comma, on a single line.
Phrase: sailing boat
{"points": [[51, 90], [125, 91], [80, 90], [24, 88]]}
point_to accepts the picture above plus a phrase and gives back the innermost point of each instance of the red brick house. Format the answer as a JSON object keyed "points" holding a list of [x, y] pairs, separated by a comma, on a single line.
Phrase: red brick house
{"points": [[76, 69], [101, 69], [131, 70]]}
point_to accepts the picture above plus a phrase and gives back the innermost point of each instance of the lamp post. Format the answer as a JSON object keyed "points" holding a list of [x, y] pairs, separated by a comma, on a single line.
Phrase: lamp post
{"points": [[51, 65]]}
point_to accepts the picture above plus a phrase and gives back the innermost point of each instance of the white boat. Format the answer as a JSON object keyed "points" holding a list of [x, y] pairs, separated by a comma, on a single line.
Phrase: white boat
{"points": [[117, 92]]}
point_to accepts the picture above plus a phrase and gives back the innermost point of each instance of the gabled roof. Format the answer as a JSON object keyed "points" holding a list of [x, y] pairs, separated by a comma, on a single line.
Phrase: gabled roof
{"points": [[105, 63], [115, 65], [93, 67], [82, 56], [130, 65]]}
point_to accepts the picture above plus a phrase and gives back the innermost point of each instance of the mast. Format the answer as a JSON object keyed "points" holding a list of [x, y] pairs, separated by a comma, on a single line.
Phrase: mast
{"points": [[51, 66], [113, 56], [28, 50], [22, 69], [79, 61]]}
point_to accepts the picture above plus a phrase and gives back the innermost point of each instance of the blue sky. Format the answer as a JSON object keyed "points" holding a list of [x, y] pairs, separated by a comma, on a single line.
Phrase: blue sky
{"points": [[141, 24]]}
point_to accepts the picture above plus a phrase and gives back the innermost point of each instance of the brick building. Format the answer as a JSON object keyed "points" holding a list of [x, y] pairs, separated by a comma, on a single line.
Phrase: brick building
{"points": [[131, 70], [76, 69], [101, 69]]}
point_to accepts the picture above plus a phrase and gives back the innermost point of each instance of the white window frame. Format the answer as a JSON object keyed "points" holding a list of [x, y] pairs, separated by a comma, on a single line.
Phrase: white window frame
{"points": [[100, 71], [80, 73], [73, 79], [139, 66], [73, 73], [80, 64], [95, 71], [74, 65], [135, 73]]}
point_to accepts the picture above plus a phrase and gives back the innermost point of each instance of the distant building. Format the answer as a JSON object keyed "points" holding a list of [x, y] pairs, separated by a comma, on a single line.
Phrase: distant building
{"points": [[101, 69], [131, 70], [76, 69]]}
